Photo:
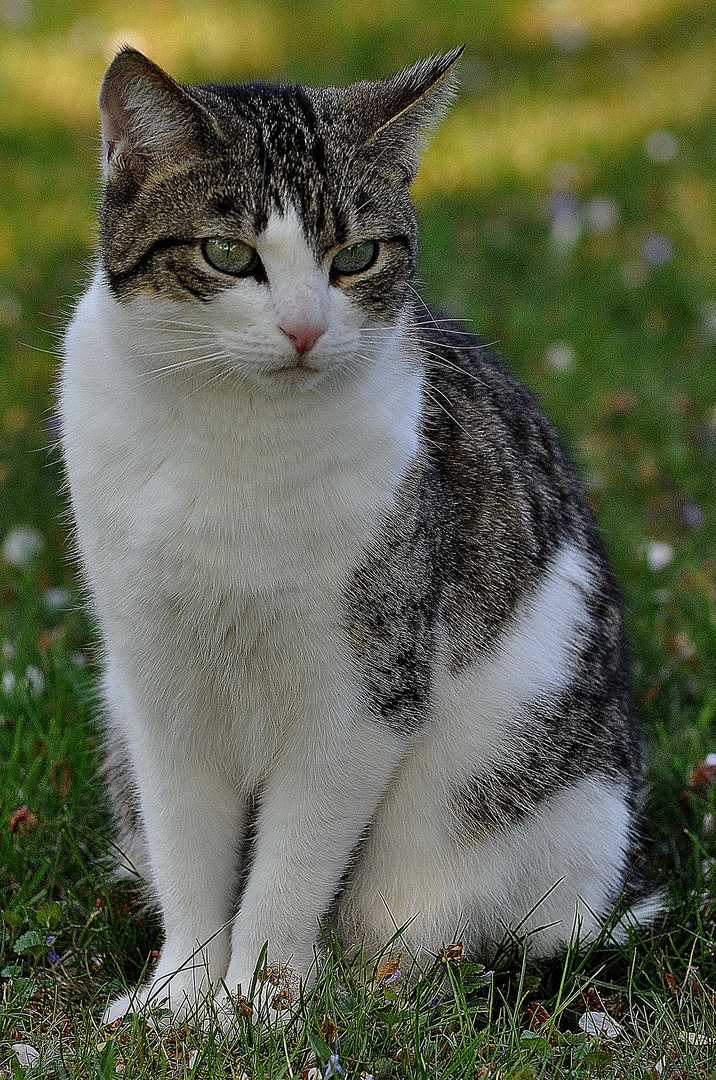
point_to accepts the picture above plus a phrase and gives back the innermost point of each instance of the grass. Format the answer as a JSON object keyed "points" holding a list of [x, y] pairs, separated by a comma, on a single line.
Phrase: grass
{"points": [[540, 201]]}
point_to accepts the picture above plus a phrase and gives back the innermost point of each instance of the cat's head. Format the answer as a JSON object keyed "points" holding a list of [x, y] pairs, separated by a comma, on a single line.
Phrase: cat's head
{"points": [[275, 217]]}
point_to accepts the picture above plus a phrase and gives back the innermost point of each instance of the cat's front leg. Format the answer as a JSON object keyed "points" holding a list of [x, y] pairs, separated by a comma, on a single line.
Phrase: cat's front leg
{"points": [[316, 806], [192, 820]]}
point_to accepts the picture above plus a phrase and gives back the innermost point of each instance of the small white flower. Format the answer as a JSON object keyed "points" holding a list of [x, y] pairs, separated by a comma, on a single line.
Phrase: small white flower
{"points": [[570, 35], [26, 1055], [708, 318], [560, 356], [602, 214], [35, 679], [693, 515], [57, 598], [661, 146], [710, 760], [8, 682], [566, 215], [593, 1022], [659, 554], [22, 545]]}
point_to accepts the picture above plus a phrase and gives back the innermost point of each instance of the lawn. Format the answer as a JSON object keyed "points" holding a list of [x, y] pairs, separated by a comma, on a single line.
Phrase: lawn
{"points": [[568, 208]]}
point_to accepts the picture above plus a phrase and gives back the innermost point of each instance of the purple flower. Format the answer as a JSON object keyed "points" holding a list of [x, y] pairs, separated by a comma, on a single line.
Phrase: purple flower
{"points": [[693, 515], [52, 955], [657, 250], [392, 978], [333, 1068]]}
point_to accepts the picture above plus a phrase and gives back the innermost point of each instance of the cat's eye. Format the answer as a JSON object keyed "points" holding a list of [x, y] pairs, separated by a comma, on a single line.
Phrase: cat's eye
{"points": [[355, 258], [230, 256]]}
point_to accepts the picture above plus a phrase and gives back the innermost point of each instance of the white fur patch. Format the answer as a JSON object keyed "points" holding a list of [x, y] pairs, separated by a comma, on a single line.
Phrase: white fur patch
{"points": [[551, 876], [532, 659], [414, 863]]}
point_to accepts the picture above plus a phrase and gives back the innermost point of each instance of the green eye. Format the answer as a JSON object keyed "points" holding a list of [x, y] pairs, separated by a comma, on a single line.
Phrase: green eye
{"points": [[355, 258], [230, 256]]}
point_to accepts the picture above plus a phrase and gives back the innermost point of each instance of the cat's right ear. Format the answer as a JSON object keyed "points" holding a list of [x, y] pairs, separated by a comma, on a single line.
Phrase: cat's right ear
{"points": [[148, 120]]}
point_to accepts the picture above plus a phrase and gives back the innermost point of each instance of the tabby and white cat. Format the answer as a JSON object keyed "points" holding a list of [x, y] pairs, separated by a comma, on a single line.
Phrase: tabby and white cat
{"points": [[347, 584]]}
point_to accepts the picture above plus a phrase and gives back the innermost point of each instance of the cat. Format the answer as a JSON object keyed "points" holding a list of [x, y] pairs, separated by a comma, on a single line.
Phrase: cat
{"points": [[351, 598]]}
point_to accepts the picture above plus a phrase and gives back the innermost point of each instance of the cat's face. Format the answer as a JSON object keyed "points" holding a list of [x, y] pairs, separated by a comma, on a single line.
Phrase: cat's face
{"points": [[271, 222]]}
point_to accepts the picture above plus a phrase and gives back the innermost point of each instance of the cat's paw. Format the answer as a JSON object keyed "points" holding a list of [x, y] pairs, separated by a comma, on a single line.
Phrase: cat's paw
{"points": [[124, 1005], [166, 1000]]}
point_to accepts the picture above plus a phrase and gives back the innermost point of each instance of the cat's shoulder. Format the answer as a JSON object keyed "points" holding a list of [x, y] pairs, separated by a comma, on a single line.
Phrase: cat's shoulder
{"points": [[476, 408]]}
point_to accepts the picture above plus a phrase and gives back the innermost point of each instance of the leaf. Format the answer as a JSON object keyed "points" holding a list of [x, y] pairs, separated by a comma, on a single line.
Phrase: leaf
{"points": [[328, 1029], [51, 914], [451, 954], [598, 1059], [319, 1047], [530, 1040], [29, 940], [14, 919], [538, 1016], [22, 821]]}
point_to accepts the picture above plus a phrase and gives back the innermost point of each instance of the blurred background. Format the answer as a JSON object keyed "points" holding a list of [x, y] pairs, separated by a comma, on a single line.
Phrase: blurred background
{"points": [[567, 207]]}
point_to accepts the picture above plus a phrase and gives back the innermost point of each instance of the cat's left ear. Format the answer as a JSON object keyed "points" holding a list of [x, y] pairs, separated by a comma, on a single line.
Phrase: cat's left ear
{"points": [[410, 103]]}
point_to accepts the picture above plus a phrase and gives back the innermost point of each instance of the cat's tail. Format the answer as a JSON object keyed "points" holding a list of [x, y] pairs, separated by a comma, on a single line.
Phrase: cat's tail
{"points": [[639, 915]]}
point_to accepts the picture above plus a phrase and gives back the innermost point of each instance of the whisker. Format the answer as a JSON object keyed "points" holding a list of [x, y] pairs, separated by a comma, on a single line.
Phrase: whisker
{"points": [[428, 391], [414, 335], [196, 361], [180, 328], [432, 321], [36, 348], [220, 376]]}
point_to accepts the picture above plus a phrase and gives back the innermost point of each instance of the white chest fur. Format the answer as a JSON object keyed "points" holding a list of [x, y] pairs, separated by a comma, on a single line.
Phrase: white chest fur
{"points": [[218, 523]]}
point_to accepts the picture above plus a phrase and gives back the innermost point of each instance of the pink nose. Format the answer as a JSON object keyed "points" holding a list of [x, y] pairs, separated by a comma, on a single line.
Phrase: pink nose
{"points": [[303, 338]]}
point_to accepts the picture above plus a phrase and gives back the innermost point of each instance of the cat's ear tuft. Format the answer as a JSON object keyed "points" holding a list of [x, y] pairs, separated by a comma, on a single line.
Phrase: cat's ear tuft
{"points": [[148, 119], [412, 102]]}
